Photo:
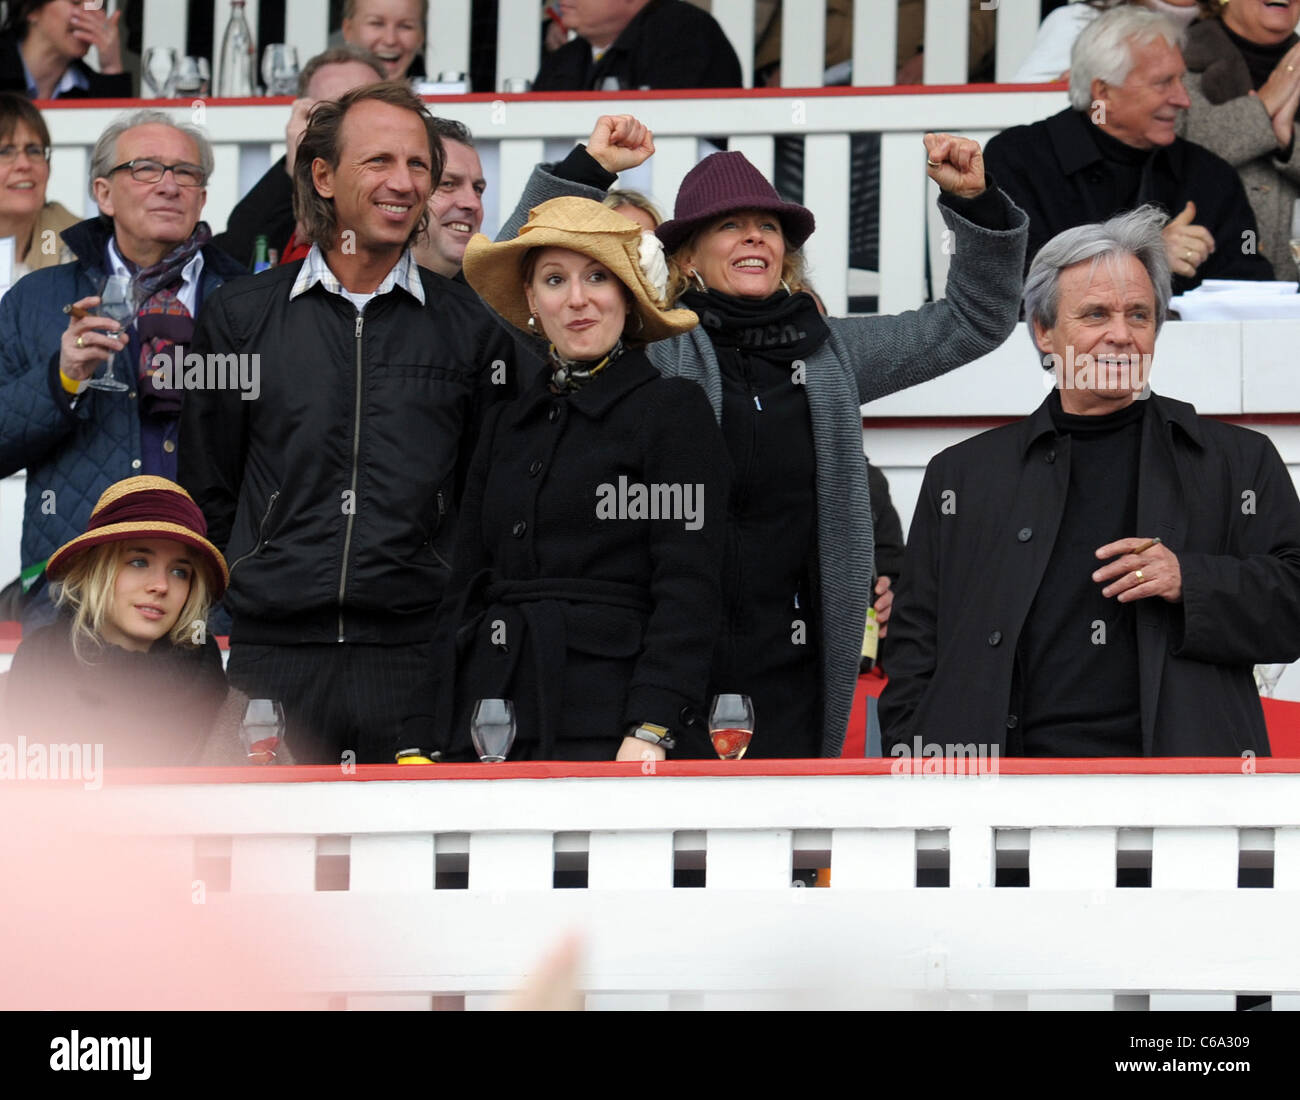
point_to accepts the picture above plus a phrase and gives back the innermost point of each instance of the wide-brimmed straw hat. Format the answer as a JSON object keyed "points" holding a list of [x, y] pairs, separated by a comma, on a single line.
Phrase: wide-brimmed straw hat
{"points": [[494, 270], [725, 182], [145, 508]]}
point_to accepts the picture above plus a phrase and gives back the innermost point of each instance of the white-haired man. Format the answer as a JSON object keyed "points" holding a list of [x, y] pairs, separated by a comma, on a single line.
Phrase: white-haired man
{"points": [[1098, 578], [1114, 149], [149, 177]]}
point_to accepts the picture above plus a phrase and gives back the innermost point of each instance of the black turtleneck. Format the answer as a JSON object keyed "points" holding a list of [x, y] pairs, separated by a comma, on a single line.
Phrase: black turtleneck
{"points": [[1077, 653], [1261, 60], [1125, 166]]}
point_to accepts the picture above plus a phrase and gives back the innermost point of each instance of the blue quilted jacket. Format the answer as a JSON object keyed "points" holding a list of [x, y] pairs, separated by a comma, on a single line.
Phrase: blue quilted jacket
{"points": [[71, 454]]}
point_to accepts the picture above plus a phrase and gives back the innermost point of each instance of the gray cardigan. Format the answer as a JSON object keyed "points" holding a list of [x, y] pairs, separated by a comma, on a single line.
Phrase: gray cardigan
{"points": [[1228, 120], [865, 358]]}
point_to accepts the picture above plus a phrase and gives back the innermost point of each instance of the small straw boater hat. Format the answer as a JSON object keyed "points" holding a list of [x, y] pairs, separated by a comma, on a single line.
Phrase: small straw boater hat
{"points": [[145, 507], [495, 270]]}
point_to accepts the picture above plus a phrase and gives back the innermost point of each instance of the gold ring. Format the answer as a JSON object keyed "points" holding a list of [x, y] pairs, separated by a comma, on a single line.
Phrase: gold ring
{"points": [[1187, 255], [1138, 574], [931, 163], [81, 341]]}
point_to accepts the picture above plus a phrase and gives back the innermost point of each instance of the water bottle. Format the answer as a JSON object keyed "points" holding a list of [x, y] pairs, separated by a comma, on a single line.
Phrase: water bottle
{"points": [[238, 56]]}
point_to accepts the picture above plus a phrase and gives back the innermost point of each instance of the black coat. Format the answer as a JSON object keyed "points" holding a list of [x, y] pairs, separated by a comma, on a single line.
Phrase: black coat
{"points": [[333, 494], [1053, 170], [669, 44], [267, 210], [101, 85], [1217, 495], [588, 622]]}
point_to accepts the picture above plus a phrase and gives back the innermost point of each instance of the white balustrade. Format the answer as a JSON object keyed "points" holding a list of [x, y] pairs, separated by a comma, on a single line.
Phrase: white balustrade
{"points": [[873, 938]]}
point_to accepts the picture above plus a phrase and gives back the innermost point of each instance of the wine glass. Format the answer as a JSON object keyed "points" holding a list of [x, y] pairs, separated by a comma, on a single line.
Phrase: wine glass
{"points": [[119, 301], [159, 71], [731, 725], [493, 729], [280, 69], [1266, 678], [191, 77], [262, 729]]}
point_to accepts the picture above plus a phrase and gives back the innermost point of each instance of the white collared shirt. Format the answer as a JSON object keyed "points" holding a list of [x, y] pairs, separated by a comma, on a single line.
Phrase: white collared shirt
{"points": [[405, 274], [189, 288]]}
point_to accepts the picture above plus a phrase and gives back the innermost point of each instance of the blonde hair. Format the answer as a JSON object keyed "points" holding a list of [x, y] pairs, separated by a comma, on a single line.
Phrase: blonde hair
{"points": [[794, 267], [87, 591], [635, 199]]}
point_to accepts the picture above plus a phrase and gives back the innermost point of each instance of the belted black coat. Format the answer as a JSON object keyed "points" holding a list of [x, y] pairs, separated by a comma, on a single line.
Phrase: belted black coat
{"points": [[563, 597], [1217, 495]]}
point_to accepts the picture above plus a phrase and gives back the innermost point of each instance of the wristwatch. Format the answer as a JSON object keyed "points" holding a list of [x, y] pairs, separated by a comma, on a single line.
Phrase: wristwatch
{"points": [[656, 735]]}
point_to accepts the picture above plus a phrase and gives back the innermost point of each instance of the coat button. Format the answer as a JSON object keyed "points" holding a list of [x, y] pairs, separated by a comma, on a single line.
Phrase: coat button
{"points": [[1024, 534], [1050, 456], [135, 463], [687, 716], [168, 446], [554, 414], [519, 528], [995, 637], [535, 467], [1012, 721]]}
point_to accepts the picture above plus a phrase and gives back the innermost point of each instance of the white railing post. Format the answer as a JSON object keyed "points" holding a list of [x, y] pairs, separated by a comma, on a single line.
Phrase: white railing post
{"points": [[306, 27], [875, 43], [519, 40], [947, 33], [447, 39], [803, 43], [1017, 27], [166, 23], [736, 18]]}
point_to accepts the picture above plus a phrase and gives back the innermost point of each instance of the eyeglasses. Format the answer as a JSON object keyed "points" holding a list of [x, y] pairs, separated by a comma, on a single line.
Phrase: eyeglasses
{"points": [[151, 171], [9, 153]]}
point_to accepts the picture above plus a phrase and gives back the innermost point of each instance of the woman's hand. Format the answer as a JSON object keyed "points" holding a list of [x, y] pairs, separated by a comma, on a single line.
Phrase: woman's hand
{"points": [[1283, 83], [620, 142], [956, 164], [636, 750], [884, 604], [93, 27], [87, 342]]}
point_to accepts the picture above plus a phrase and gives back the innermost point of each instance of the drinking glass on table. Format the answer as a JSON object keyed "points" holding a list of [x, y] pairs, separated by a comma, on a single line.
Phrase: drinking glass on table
{"points": [[192, 77], [280, 69], [731, 725], [1266, 678], [159, 71], [261, 730], [119, 301], [493, 729]]}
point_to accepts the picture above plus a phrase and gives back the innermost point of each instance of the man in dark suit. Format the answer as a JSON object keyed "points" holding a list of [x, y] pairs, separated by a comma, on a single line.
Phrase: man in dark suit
{"points": [[1098, 578], [624, 44], [1114, 149]]}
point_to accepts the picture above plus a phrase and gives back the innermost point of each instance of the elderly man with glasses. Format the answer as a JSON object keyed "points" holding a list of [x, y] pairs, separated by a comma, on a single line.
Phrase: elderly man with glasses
{"points": [[148, 176]]}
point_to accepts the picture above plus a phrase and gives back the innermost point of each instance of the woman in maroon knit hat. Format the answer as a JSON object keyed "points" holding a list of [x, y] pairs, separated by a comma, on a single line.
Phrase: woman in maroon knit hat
{"points": [[129, 662]]}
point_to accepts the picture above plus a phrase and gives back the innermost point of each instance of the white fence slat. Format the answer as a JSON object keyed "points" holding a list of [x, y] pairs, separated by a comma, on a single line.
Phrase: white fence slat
{"points": [[803, 43], [70, 178], [1191, 858], [736, 18], [1286, 858], [875, 42], [1071, 859], [759, 151], [1017, 28], [1070, 1002], [166, 23], [970, 856], [674, 157], [519, 40], [516, 160], [389, 1002], [630, 861], [511, 861], [446, 41], [749, 859], [486, 1002], [1286, 1002], [628, 1002], [873, 859], [826, 160], [1193, 1002], [273, 864], [223, 185], [391, 861], [306, 26], [947, 33], [902, 222]]}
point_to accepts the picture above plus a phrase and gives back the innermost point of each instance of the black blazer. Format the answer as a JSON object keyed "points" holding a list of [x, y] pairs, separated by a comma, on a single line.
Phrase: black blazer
{"points": [[102, 85]]}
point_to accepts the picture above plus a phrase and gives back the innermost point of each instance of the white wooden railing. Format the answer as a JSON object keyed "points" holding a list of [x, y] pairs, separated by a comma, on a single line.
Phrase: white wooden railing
{"points": [[393, 891]]}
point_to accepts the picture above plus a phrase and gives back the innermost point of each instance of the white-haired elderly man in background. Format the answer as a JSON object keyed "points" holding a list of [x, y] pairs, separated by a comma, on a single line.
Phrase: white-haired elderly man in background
{"points": [[148, 176], [1098, 578], [1115, 148]]}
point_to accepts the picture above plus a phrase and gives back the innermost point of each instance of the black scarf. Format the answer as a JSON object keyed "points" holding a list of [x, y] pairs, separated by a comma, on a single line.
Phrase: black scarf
{"points": [[778, 329]]}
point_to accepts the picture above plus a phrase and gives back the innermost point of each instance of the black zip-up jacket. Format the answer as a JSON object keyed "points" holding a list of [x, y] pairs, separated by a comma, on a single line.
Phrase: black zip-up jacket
{"points": [[333, 493]]}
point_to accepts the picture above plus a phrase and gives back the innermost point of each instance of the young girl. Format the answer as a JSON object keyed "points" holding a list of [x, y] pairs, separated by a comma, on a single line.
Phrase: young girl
{"points": [[129, 663]]}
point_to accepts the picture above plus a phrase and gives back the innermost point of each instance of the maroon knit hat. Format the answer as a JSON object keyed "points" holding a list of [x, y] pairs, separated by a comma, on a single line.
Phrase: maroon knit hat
{"points": [[145, 507], [724, 182]]}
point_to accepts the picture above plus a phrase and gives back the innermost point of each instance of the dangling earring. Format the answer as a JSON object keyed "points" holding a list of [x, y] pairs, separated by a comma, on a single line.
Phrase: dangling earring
{"points": [[787, 287], [698, 281], [532, 323]]}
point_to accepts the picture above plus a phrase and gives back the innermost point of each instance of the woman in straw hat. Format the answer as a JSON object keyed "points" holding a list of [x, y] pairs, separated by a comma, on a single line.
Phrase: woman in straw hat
{"points": [[787, 387], [585, 579], [129, 662]]}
